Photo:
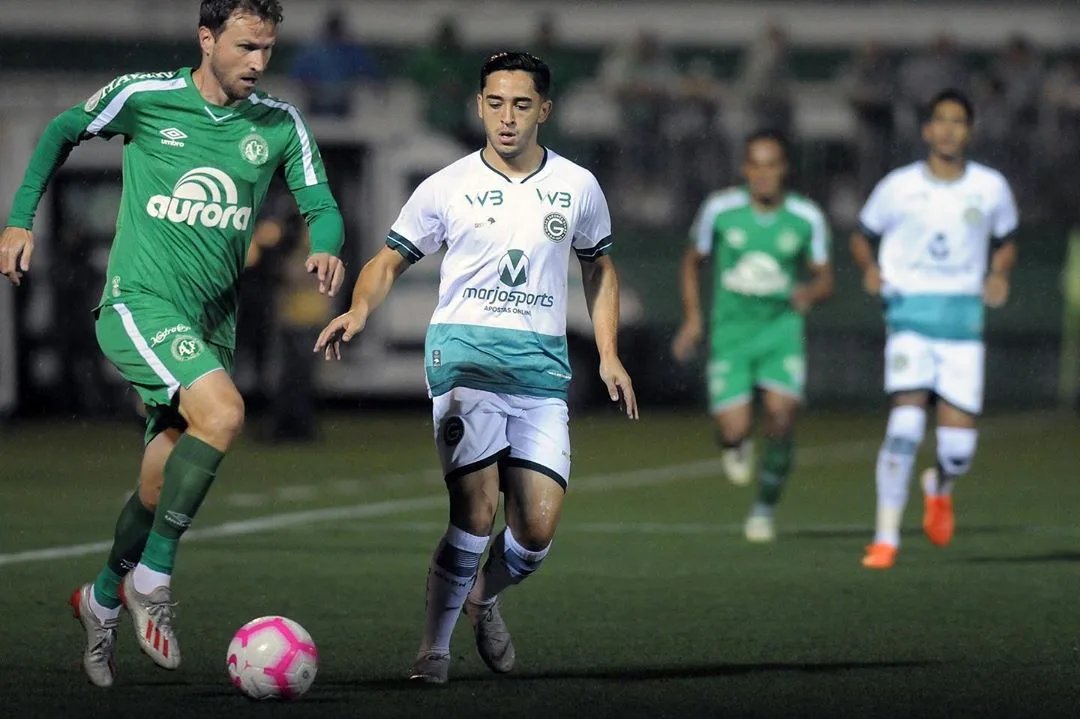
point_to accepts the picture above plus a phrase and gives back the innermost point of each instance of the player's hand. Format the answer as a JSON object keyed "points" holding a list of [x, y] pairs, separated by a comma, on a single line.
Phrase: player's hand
{"points": [[16, 249], [619, 386], [871, 280], [341, 329], [800, 299], [996, 291], [686, 339], [330, 271]]}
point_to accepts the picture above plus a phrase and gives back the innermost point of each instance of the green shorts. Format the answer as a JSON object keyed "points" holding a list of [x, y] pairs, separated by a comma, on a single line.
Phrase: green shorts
{"points": [[771, 356], [157, 350]]}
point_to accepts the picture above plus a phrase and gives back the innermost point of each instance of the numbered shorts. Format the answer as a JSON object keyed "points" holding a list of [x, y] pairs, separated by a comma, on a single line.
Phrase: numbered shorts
{"points": [[476, 428], [158, 351], [773, 358], [951, 369]]}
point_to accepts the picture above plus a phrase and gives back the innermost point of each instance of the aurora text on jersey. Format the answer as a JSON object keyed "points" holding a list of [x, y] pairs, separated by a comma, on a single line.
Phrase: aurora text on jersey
{"points": [[194, 177], [500, 324]]}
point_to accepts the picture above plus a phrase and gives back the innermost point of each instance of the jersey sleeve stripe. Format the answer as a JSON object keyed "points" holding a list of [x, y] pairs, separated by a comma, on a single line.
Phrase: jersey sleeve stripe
{"points": [[598, 250], [819, 240], [144, 350], [109, 113], [407, 249], [868, 233], [307, 158]]}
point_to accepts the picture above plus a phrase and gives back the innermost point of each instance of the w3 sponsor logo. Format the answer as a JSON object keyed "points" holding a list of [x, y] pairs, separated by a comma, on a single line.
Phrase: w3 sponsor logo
{"points": [[205, 195]]}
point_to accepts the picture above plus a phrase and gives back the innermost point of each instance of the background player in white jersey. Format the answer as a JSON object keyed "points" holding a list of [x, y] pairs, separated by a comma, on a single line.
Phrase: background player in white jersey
{"points": [[937, 221], [497, 366]]}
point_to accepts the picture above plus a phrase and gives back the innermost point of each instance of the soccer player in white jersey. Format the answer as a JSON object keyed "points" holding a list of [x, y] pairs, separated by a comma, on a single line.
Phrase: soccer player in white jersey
{"points": [[496, 356], [944, 228]]}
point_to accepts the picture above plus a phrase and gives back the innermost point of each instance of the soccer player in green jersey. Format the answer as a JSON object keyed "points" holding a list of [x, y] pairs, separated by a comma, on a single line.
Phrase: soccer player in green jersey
{"points": [[200, 148], [760, 238]]}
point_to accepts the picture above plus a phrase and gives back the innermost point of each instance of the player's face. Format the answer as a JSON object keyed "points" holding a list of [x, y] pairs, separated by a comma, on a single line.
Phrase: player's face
{"points": [[948, 130], [239, 55], [764, 169], [512, 111]]}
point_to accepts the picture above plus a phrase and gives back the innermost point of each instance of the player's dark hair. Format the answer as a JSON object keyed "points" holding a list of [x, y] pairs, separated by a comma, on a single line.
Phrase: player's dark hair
{"points": [[213, 14], [950, 95], [771, 135], [523, 61]]}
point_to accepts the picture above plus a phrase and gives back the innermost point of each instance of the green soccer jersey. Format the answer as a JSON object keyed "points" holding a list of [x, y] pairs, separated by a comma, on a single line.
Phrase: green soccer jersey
{"points": [[757, 257], [194, 176]]}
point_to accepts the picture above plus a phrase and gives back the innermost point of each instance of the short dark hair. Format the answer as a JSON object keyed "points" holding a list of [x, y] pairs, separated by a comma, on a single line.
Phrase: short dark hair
{"points": [[950, 95], [523, 61], [213, 14], [772, 135]]}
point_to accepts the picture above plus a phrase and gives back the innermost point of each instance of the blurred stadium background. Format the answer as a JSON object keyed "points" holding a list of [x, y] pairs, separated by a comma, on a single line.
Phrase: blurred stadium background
{"points": [[661, 608], [653, 97]]}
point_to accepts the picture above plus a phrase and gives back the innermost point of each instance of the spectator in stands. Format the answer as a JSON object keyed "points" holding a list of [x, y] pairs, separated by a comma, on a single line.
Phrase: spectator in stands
{"points": [[1061, 134], [922, 76], [869, 84], [1061, 95], [640, 76], [765, 81], [445, 75], [293, 315], [1021, 71], [330, 67]]}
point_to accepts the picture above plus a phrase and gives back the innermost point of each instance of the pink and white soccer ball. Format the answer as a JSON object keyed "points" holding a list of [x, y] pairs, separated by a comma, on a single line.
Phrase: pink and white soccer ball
{"points": [[272, 658]]}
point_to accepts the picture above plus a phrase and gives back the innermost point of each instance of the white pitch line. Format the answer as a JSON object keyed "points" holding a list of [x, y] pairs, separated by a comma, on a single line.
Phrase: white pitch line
{"points": [[808, 456]]}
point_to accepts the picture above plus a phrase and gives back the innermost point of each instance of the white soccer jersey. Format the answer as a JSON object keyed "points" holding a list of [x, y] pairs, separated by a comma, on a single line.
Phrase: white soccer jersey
{"points": [[500, 323], [936, 239]]}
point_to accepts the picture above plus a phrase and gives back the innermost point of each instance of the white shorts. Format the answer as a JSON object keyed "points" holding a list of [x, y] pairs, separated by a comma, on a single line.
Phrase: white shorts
{"points": [[951, 369], [475, 428]]}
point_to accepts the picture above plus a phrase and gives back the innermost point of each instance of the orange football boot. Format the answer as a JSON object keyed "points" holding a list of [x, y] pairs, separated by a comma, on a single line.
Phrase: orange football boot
{"points": [[880, 556]]}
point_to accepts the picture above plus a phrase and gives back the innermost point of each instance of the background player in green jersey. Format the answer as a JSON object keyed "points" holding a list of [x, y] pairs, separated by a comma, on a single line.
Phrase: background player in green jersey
{"points": [[760, 238], [200, 149]]}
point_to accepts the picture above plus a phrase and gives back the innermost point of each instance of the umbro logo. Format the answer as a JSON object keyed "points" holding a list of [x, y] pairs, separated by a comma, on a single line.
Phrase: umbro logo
{"points": [[173, 137]]}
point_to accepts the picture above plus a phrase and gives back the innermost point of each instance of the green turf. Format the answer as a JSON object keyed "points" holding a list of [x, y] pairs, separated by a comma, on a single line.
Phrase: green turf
{"points": [[650, 604]]}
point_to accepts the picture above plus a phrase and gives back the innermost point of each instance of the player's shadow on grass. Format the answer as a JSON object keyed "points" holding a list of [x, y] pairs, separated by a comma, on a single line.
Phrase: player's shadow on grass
{"points": [[1060, 557], [647, 674], [860, 531]]}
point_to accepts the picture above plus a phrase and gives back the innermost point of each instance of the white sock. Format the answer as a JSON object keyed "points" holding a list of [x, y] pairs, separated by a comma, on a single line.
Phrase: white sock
{"points": [[508, 564], [147, 580], [101, 612], [450, 577], [905, 431]]}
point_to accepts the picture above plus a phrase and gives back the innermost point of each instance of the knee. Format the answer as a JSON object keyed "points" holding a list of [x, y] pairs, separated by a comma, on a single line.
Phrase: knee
{"points": [[149, 494], [222, 421], [779, 423], [534, 536], [475, 516], [907, 425], [956, 449]]}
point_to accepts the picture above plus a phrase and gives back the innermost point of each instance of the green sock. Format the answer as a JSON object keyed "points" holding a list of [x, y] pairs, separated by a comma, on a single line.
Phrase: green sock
{"points": [[129, 539], [776, 463], [189, 472]]}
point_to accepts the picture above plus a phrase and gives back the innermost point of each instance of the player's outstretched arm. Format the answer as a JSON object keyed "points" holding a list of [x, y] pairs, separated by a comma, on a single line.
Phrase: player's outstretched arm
{"points": [[996, 289], [17, 242], [326, 233], [371, 288], [16, 248], [602, 294], [862, 252], [689, 334], [817, 290]]}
